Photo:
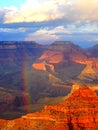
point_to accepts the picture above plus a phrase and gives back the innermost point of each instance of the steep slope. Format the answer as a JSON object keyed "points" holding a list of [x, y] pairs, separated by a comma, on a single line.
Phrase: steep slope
{"points": [[79, 111], [94, 50], [16, 60], [14, 56], [42, 71], [65, 52], [11, 100], [17, 50], [60, 55], [68, 62], [49, 58], [89, 73]]}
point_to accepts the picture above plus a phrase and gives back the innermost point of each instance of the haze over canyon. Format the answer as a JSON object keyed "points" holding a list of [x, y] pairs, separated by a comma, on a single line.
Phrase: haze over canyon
{"points": [[48, 87]]}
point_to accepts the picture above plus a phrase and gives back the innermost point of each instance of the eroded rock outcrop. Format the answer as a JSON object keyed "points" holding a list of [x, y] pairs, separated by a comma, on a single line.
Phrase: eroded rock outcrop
{"points": [[48, 59], [87, 61], [78, 112], [89, 73], [43, 66]]}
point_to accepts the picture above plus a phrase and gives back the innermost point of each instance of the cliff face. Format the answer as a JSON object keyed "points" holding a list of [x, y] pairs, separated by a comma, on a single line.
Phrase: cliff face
{"points": [[78, 112], [87, 61], [11, 99], [63, 62], [94, 50], [16, 51], [89, 73], [48, 59], [59, 53], [43, 66], [66, 58]]}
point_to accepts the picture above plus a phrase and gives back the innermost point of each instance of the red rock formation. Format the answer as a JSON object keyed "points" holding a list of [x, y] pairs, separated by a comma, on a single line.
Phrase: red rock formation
{"points": [[78, 112], [89, 73], [48, 59], [43, 66], [61, 53], [39, 66], [52, 56], [87, 61]]}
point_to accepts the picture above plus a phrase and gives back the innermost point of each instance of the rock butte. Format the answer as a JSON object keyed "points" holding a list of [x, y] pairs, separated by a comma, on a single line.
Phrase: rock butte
{"points": [[52, 57]]}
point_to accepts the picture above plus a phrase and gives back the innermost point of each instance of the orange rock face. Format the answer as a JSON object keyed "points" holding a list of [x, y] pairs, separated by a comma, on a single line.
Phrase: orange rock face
{"points": [[87, 61], [43, 66], [48, 59], [78, 112], [52, 56], [39, 66]]}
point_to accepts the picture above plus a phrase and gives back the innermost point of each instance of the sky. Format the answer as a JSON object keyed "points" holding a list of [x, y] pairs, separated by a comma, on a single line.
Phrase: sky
{"points": [[46, 21]]}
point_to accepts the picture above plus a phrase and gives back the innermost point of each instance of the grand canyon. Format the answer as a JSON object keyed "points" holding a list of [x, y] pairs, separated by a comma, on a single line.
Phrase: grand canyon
{"points": [[48, 87], [77, 112]]}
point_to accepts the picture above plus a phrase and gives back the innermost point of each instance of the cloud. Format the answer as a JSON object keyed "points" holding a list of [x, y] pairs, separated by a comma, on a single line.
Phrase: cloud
{"points": [[13, 30], [60, 29], [36, 11], [47, 35], [85, 10], [5, 30], [22, 29], [75, 11], [2, 13], [96, 39], [83, 28], [49, 20], [93, 38]]}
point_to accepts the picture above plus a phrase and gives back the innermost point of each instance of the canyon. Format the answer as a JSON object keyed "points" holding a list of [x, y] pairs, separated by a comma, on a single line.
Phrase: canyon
{"points": [[77, 112], [31, 73]]}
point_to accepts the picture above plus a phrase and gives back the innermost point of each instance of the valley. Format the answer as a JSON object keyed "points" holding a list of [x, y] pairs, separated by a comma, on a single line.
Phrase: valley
{"points": [[34, 75]]}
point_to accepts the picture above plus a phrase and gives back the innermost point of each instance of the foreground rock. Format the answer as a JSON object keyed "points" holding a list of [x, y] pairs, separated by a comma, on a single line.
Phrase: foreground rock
{"points": [[78, 112]]}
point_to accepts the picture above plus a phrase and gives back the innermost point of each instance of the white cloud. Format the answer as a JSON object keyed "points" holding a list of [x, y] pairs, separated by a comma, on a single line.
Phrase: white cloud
{"points": [[83, 28], [85, 10], [36, 11], [47, 35], [60, 29], [43, 35], [93, 39], [69, 11], [5, 30], [12, 30], [96, 39], [22, 29]]}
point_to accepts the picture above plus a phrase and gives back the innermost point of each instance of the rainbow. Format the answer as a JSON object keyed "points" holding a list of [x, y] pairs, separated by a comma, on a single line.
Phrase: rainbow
{"points": [[25, 77]]}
